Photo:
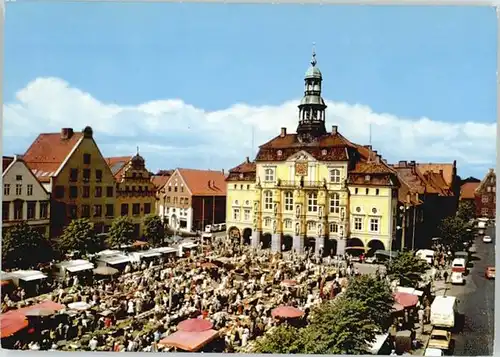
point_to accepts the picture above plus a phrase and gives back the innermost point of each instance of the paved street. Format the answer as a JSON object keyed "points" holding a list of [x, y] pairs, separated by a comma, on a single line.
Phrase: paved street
{"points": [[477, 304]]}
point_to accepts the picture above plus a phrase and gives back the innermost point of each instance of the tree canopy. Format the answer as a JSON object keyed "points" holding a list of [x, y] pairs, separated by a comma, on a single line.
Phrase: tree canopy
{"points": [[121, 232], [24, 247], [79, 235], [283, 339], [466, 210], [407, 268], [376, 293], [154, 230], [454, 232]]}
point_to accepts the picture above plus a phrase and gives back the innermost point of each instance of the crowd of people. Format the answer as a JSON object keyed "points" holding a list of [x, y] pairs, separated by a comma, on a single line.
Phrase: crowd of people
{"points": [[236, 287]]}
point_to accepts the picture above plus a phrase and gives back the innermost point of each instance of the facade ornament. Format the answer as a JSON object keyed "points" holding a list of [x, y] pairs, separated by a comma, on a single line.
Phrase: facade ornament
{"points": [[256, 206], [320, 229], [297, 211], [275, 209], [255, 223], [297, 228], [275, 226], [320, 211]]}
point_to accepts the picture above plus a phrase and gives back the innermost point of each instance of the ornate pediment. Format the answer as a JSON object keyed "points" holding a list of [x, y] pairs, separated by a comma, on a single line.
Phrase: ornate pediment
{"points": [[301, 156]]}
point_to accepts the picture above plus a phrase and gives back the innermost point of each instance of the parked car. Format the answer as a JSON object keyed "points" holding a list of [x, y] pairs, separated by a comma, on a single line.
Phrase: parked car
{"points": [[433, 352], [486, 239], [440, 339], [457, 278], [490, 273]]}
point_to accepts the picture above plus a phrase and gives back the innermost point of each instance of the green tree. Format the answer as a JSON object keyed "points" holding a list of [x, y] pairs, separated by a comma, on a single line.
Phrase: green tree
{"points": [[24, 247], [466, 211], [79, 235], [121, 232], [376, 293], [407, 268], [284, 339], [340, 326], [154, 231], [454, 233]]}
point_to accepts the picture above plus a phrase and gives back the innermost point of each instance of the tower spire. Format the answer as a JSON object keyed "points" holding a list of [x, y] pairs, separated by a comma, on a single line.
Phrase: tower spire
{"points": [[312, 106]]}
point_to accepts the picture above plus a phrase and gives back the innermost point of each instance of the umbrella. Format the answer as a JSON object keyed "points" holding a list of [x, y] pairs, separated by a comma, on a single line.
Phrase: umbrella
{"points": [[106, 313], [105, 271], [397, 307], [195, 325], [11, 323], [80, 306], [40, 312], [289, 282], [209, 265], [287, 312], [405, 299]]}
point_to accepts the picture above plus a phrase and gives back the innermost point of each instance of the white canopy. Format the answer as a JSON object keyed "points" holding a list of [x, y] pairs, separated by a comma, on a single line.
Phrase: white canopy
{"points": [[28, 275], [412, 291], [77, 265]]}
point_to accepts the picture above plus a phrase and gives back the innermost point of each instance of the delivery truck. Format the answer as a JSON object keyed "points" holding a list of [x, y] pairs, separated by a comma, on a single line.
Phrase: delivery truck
{"points": [[444, 311]]}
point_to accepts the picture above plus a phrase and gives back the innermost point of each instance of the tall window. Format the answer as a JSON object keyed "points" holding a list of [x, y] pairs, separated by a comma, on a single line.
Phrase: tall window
{"points": [[124, 209], [85, 211], [311, 225], [72, 211], [358, 223], [246, 215], [484, 199], [334, 228], [267, 221], [288, 223], [31, 210], [19, 189], [86, 192], [5, 211], [268, 200], [236, 214], [288, 201], [44, 210], [335, 176], [312, 202], [98, 175], [109, 191], [147, 208], [269, 175], [98, 191], [73, 175], [136, 209], [18, 209], [6, 189], [484, 211], [86, 175], [29, 190], [97, 210], [335, 203], [86, 159], [110, 210], [374, 224]]}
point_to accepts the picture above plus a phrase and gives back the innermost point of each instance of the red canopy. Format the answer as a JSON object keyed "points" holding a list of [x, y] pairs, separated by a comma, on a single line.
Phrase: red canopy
{"points": [[190, 341], [397, 307], [4, 282], [287, 312], [12, 322], [195, 325], [405, 299]]}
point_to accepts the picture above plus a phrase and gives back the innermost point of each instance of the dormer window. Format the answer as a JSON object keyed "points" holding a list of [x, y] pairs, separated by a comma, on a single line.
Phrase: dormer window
{"points": [[335, 176], [280, 152], [269, 175], [324, 152], [367, 178]]}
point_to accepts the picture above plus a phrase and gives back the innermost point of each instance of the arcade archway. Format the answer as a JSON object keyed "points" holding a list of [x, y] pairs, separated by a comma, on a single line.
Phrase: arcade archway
{"points": [[174, 222], [247, 236], [266, 240], [287, 242], [234, 233], [330, 247], [310, 244], [375, 245]]}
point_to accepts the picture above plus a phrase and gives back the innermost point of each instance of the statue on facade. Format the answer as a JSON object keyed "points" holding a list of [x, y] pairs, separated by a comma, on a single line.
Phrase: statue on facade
{"points": [[320, 211], [275, 209], [297, 211], [297, 228], [256, 206], [275, 226], [255, 223], [320, 229]]}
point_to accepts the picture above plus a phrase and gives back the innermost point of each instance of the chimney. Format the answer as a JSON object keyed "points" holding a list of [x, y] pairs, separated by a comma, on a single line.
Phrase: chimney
{"points": [[283, 132], [334, 129], [403, 163], [369, 147], [66, 133], [384, 161], [378, 158], [248, 160], [375, 152], [412, 163]]}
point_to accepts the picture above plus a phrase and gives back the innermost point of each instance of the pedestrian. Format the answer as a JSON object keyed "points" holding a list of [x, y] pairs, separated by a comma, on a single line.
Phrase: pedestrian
{"points": [[445, 276]]}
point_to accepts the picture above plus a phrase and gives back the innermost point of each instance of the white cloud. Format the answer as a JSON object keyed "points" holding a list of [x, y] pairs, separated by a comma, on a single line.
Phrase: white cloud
{"points": [[171, 133]]}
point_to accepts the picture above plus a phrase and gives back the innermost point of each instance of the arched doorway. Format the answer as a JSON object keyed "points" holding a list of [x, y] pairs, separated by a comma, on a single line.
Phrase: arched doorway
{"points": [[330, 247], [310, 244], [234, 233], [375, 245], [174, 222], [287, 242], [247, 236], [355, 247], [266, 240]]}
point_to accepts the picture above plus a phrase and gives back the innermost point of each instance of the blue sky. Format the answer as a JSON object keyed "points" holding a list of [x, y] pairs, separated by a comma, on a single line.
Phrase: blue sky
{"points": [[406, 62]]}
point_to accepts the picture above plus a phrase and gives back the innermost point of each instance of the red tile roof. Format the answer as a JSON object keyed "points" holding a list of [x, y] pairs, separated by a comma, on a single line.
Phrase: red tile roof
{"points": [[246, 171], [159, 180], [204, 182], [117, 164], [436, 168], [48, 152], [468, 189], [6, 161]]}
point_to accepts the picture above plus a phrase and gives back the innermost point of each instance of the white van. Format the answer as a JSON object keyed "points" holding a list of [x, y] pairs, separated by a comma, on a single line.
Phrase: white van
{"points": [[426, 254], [459, 265], [443, 311]]}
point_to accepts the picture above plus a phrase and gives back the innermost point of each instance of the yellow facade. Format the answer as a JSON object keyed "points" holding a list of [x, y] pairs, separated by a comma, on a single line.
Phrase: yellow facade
{"points": [[83, 189], [135, 193], [239, 206]]}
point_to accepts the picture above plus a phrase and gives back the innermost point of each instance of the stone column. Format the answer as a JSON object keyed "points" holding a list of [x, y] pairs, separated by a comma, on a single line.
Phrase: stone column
{"points": [[298, 244], [320, 244], [255, 241], [276, 243]]}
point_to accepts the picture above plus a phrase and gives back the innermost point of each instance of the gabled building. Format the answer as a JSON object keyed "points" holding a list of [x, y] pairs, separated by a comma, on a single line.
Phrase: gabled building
{"points": [[468, 190], [313, 188], [485, 196], [135, 192], [71, 167], [192, 199], [24, 198]]}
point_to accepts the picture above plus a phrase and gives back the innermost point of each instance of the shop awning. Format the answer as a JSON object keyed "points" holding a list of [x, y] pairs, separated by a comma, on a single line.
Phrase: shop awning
{"points": [[287, 312], [37, 276], [405, 299], [195, 325], [79, 267], [12, 322], [190, 341]]}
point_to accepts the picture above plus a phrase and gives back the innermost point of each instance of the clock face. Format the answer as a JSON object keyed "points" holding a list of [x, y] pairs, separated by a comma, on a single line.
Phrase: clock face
{"points": [[301, 168]]}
